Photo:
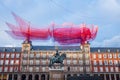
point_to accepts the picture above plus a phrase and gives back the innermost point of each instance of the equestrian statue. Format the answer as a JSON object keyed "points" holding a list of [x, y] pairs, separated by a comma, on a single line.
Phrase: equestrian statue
{"points": [[57, 58]]}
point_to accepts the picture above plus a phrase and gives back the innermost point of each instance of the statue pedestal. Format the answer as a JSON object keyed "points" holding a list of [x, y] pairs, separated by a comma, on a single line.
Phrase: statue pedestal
{"points": [[56, 74]]}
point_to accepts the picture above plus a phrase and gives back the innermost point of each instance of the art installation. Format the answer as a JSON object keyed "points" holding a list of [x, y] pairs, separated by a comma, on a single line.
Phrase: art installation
{"points": [[67, 33]]}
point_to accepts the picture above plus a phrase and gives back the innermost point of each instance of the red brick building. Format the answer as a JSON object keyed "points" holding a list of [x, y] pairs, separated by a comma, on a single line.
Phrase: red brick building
{"points": [[31, 62]]}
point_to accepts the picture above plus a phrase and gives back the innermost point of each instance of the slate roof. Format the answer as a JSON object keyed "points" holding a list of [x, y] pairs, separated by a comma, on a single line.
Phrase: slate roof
{"points": [[10, 49], [92, 49]]}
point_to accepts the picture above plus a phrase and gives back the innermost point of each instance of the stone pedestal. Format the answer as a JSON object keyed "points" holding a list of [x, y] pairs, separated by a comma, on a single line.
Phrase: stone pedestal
{"points": [[56, 74]]}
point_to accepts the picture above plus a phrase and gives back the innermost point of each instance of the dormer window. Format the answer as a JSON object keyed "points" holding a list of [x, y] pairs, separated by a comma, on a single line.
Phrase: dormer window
{"points": [[108, 50], [13, 50], [4, 49], [99, 50]]}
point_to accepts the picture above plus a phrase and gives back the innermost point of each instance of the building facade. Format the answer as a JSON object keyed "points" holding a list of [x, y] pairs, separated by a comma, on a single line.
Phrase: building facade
{"points": [[31, 62]]}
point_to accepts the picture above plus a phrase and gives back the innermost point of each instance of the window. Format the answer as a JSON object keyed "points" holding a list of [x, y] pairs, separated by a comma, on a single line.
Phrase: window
{"points": [[38, 55], [114, 55], [12, 55], [2, 55], [95, 62], [6, 62], [111, 69], [95, 69], [99, 50], [75, 69], [24, 62], [80, 55], [37, 69], [80, 62], [81, 69], [1, 62], [7, 55], [50, 55], [105, 62], [100, 62], [106, 69], [43, 69], [118, 55], [43, 61], [115, 62], [68, 55], [68, 61], [30, 69], [94, 56], [37, 62], [31, 62], [87, 69], [110, 62], [24, 68], [11, 69], [11, 62], [25, 55], [87, 62], [0, 69], [17, 62], [101, 69], [104, 55], [44, 55], [31, 55], [100, 56], [86, 56], [74, 61], [116, 69], [74, 55], [17, 55], [5, 69], [110, 55]]}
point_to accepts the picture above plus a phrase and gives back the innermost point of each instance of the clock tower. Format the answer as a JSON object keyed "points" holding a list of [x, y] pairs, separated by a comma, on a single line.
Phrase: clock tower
{"points": [[85, 49], [26, 45]]}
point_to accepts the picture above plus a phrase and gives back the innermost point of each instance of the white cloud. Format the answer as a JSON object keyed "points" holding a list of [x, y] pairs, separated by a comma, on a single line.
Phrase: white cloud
{"points": [[113, 42]]}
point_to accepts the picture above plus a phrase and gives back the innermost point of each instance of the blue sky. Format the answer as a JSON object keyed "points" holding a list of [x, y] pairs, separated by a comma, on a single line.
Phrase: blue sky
{"points": [[104, 13]]}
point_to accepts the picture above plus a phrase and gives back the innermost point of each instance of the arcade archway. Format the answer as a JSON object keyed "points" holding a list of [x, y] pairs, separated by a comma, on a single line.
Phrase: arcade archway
{"points": [[43, 77], [30, 77], [36, 77], [23, 77]]}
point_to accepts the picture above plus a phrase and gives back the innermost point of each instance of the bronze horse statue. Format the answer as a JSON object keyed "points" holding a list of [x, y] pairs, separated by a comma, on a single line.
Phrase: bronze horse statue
{"points": [[57, 58]]}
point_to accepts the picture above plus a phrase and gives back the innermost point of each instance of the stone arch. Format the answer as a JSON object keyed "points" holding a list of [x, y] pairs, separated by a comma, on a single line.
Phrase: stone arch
{"points": [[23, 77], [10, 77], [48, 77], [15, 76], [74, 74], [30, 77], [36, 77], [68, 75], [43, 77]]}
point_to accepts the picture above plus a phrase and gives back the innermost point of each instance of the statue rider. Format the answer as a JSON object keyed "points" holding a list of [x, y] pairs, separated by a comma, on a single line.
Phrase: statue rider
{"points": [[57, 54]]}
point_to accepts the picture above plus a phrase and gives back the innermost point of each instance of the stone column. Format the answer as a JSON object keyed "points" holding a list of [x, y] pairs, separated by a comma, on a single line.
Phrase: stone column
{"points": [[12, 76], [105, 77], [33, 77], [115, 78], [27, 76], [65, 77], [45, 76], [110, 77], [19, 76], [39, 77]]}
